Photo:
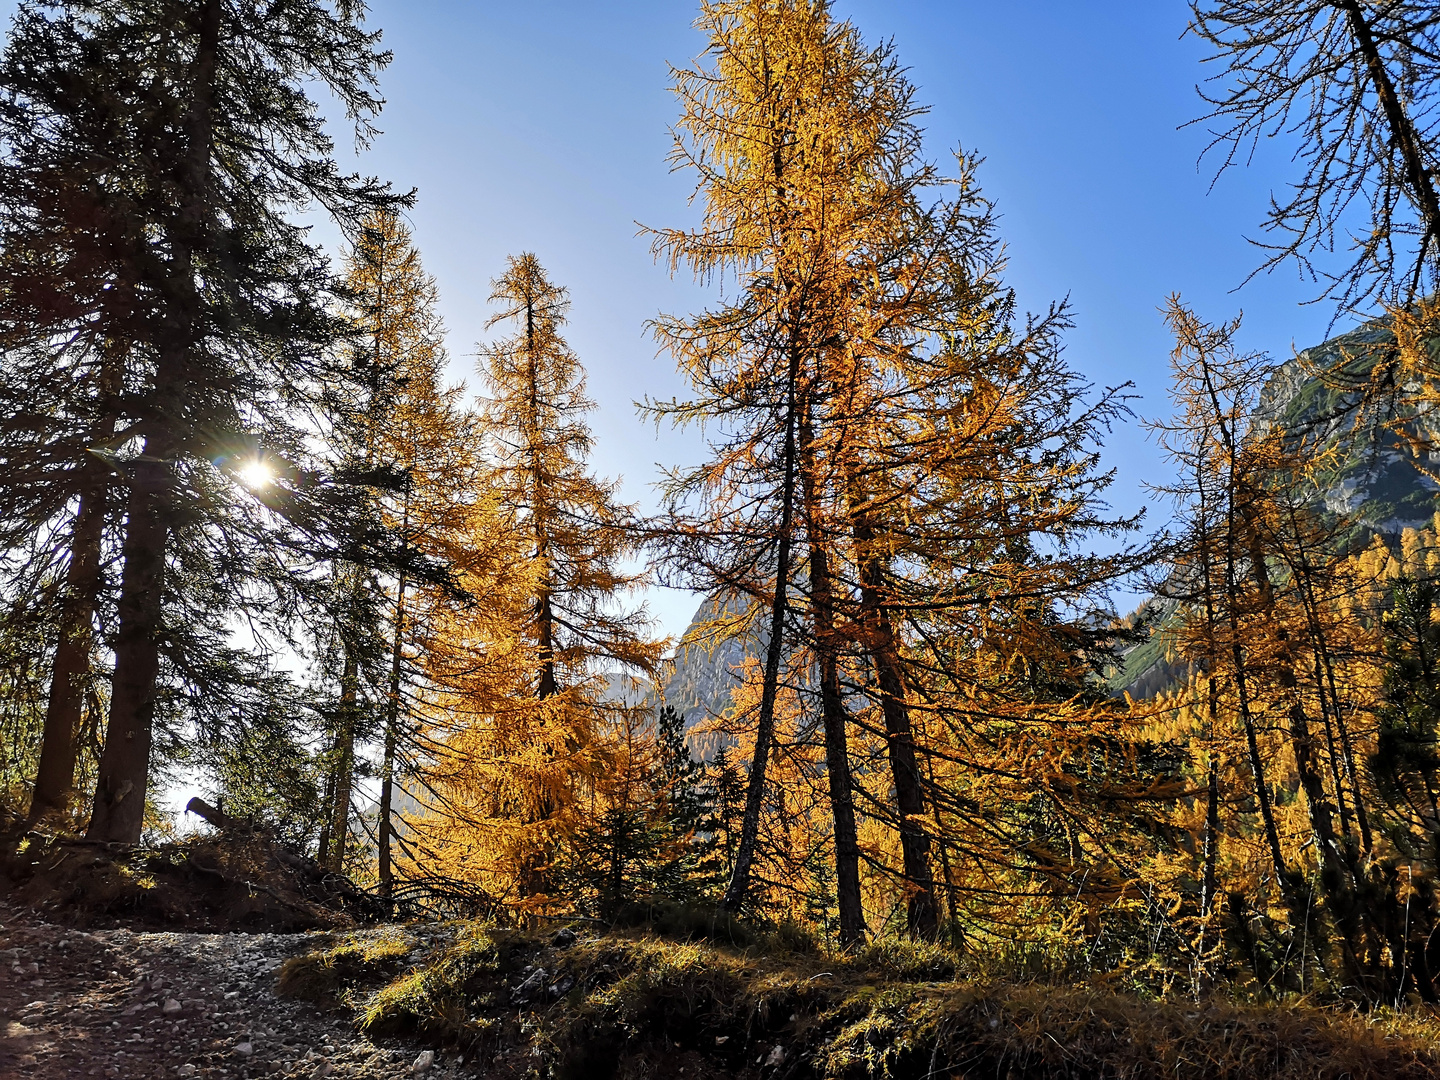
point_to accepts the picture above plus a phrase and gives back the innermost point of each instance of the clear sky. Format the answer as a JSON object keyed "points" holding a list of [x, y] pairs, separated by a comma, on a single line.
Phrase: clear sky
{"points": [[542, 126]]}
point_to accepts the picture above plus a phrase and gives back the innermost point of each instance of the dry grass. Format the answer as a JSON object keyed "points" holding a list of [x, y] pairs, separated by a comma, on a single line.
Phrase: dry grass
{"points": [[324, 975], [640, 1006]]}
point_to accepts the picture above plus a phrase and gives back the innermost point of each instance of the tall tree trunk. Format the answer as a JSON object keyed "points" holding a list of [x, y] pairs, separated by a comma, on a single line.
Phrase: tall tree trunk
{"points": [[70, 677], [1341, 876], [1233, 514], [1209, 881], [344, 762], [119, 811], [1211, 854], [739, 886], [1252, 742], [124, 772], [327, 800], [832, 706], [385, 870], [1299, 722], [922, 916]]}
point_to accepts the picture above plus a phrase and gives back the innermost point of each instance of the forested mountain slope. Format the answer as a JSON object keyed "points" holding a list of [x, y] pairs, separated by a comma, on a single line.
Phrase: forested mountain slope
{"points": [[1363, 478], [1366, 480]]}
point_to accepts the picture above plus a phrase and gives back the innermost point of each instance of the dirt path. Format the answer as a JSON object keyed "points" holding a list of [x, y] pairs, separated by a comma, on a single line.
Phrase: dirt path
{"points": [[115, 1003]]}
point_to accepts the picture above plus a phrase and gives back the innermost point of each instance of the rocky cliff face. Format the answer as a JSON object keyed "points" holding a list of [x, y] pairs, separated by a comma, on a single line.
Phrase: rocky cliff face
{"points": [[1366, 472], [705, 670], [1366, 478]]}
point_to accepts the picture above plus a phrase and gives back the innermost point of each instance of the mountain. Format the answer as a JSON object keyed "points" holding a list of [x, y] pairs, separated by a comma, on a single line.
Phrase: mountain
{"points": [[703, 673], [1370, 478], [1365, 474]]}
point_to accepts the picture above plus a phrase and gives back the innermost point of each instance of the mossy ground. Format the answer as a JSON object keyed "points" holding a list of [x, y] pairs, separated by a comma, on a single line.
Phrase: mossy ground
{"points": [[638, 1005]]}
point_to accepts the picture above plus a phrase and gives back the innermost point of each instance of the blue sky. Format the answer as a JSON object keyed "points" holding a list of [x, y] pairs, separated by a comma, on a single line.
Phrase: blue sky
{"points": [[543, 126]]}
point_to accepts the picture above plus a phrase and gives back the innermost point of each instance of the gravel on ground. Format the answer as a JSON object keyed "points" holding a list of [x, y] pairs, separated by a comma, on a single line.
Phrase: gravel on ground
{"points": [[119, 1003]]}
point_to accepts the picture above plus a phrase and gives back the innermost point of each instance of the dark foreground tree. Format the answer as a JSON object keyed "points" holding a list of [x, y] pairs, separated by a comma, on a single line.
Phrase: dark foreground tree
{"points": [[226, 304]]}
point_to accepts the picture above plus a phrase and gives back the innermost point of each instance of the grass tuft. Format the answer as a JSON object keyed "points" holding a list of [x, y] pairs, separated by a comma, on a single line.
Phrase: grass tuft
{"points": [[441, 998], [634, 1004], [322, 976]]}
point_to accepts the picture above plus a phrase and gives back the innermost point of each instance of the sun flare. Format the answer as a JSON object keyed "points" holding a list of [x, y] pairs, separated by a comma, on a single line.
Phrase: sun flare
{"points": [[255, 474]]}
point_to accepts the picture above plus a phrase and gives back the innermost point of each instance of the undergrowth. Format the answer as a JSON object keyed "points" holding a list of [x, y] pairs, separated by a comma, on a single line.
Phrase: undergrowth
{"points": [[326, 976], [632, 1004]]}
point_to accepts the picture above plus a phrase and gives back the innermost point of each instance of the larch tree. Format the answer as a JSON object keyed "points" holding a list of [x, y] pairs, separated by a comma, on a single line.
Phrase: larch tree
{"points": [[783, 129], [877, 417], [393, 423], [576, 626], [423, 433], [1284, 631]]}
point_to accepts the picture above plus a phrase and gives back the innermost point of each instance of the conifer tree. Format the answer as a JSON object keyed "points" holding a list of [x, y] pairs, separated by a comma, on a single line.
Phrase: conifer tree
{"points": [[63, 364], [775, 130], [878, 409], [221, 301], [417, 428], [537, 746], [1284, 633]]}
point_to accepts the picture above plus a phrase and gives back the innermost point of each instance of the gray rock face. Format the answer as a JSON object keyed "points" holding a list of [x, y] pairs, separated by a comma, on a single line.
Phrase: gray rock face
{"points": [[1366, 478], [1366, 473], [705, 670]]}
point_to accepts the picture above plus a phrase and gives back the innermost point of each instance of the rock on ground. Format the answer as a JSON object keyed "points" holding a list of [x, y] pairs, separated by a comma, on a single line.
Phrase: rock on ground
{"points": [[77, 1004]]}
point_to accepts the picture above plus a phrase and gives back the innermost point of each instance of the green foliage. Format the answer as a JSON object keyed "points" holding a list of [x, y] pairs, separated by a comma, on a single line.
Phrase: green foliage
{"points": [[653, 846], [1406, 762], [322, 976], [439, 997]]}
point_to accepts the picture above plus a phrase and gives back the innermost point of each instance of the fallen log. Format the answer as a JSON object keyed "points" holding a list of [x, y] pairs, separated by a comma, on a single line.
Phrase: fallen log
{"points": [[221, 820], [323, 886]]}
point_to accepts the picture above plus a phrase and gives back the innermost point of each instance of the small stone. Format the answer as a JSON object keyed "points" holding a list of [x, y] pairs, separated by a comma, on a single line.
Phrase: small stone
{"points": [[533, 984], [186, 1070], [721, 1040], [322, 1070], [777, 1057], [423, 1063], [245, 1049], [563, 938], [171, 1007]]}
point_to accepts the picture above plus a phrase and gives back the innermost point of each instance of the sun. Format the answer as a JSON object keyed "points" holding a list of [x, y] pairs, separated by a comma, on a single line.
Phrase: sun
{"points": [[254, 474]]}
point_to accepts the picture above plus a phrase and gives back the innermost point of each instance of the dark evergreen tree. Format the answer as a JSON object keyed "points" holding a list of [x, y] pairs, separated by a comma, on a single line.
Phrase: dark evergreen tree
{"points": [[184, 129], [651, 841]]}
